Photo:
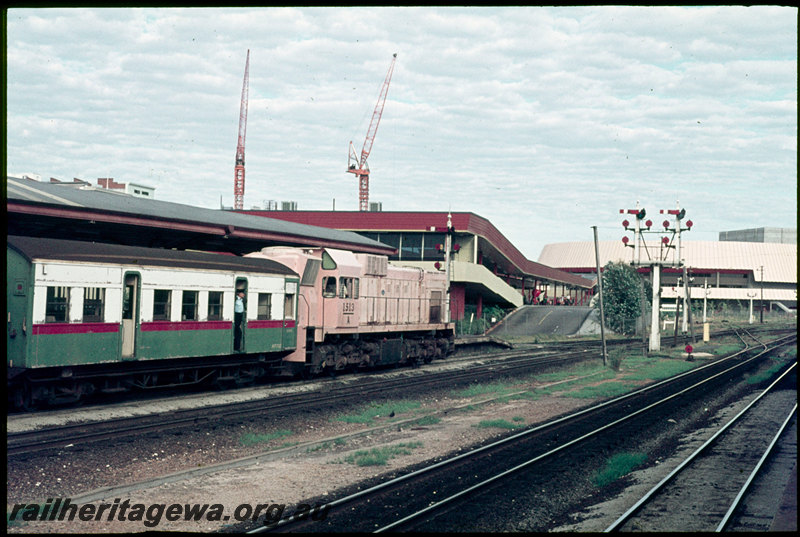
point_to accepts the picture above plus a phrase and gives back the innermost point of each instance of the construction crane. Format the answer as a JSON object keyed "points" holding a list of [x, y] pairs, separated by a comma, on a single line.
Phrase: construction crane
{"points": [[359, 166], [238, 179]]}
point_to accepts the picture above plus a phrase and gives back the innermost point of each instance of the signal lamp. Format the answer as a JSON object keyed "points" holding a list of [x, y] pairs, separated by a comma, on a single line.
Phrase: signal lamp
{"points": [[456, 247], [437, 265], [666, 223], [649, 223], [681, 214], [689, 224], [625, 241], [665, 240], [625, 224], [641, 214]]}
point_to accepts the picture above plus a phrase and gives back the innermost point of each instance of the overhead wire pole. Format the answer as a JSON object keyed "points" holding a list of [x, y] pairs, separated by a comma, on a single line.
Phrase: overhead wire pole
{"points": [[361, 168], [600, 292]]}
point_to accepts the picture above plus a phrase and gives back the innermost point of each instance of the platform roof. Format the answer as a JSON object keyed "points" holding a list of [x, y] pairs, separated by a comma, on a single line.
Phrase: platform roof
{"points": [[77, 211], [491, 241]]}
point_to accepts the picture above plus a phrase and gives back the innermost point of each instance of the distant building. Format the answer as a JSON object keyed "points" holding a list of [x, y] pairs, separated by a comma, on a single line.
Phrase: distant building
{"points": [[134, 189], [725, 270], [780, 235]]}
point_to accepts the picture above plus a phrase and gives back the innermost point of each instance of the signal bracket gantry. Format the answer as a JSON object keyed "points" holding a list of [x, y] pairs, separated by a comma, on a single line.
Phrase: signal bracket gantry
{"points": [[669, 243], [656, 259]]}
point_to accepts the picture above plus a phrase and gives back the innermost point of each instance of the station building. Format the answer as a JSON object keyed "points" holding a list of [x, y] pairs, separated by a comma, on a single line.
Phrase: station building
{"points": [[732, 272], [486, 269]]}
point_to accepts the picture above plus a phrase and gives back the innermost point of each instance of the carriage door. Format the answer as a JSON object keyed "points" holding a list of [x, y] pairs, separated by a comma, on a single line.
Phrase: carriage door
{"points": [[240, 318], [130, 308]]}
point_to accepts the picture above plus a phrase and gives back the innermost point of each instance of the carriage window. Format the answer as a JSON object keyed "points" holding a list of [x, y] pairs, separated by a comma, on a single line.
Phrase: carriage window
{"points": [[93, 300], [189, 306], [264, 306], [127, 302], [288, 306], [161, 304], [57, 305], [214, 305], [329, 287]]}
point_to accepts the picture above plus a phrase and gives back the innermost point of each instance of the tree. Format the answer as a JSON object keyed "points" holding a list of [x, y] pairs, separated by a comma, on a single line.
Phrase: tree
{"points": [[622, 294]]}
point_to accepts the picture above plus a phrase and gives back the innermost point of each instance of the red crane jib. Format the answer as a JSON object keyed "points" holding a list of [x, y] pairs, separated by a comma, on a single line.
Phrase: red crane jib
{"points": [[238, 179], [362, 169]]}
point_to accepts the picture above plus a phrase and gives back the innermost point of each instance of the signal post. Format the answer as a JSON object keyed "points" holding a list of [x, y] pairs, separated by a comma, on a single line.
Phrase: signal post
{"points": [[666, 254]]}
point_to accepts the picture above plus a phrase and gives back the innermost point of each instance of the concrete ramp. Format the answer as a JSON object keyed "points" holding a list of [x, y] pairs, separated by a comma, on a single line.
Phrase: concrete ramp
{"points": [[536, 320]]}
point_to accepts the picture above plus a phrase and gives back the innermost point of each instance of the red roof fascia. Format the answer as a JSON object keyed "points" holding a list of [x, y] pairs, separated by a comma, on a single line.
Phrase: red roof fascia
{"points": [[424, 221], [369, 220]]}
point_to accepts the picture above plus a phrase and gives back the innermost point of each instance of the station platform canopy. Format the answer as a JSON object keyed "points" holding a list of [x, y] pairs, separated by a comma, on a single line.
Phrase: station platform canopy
{"points": [[78, 211], [481, 243]]}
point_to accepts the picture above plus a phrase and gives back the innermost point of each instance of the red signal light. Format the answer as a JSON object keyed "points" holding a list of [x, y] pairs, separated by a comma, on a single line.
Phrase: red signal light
{"points": [[625, 224], [666, 224], [689, 224], [625, 240], [649, 223], [437, 265], [665, 240], [456, 247]]}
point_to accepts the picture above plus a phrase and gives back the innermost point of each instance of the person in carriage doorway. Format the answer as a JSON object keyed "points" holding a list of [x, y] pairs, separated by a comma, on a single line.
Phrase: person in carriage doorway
{"points": [[238, 317]]}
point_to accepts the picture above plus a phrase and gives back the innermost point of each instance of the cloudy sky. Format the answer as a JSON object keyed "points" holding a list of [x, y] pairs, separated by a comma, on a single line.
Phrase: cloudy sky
{"points": [[545, 121]]}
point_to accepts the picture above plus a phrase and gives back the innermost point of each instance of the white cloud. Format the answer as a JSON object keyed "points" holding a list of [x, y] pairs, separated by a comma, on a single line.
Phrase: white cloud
{"points": [[543, 120]]}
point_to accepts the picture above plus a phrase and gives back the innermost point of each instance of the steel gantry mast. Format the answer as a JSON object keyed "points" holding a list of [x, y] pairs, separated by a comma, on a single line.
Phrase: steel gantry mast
{"points": [[359, 166], [238, 180]]}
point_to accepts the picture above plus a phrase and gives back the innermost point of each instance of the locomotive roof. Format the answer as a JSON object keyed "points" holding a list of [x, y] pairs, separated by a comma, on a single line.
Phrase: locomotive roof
{"points": [[33, 248]]}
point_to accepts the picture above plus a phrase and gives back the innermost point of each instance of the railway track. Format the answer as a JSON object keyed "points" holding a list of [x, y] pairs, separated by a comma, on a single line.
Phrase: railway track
{"points": [[705, 491], [451, 494], [364, 388]]}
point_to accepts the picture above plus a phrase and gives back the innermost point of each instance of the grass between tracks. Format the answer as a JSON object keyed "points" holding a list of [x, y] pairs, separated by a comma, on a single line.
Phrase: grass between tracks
{"points": [[379, 456], [387, 409], [618, 466]]}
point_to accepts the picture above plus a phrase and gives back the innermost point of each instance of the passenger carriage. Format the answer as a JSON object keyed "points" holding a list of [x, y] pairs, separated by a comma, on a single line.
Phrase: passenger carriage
{"points": [[88, 316]]}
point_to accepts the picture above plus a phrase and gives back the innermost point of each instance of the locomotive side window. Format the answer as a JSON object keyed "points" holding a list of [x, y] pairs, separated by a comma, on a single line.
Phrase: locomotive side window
{"points": [[215, 305], [310, 272], [348, 288], [329, 287], [93, 300], [264, 306], [189, 306], [161, 304], [57, 304]]}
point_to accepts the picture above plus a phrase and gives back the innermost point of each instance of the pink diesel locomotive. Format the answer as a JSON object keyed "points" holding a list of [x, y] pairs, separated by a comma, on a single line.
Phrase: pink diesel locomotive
{"points": [[356, 310]]}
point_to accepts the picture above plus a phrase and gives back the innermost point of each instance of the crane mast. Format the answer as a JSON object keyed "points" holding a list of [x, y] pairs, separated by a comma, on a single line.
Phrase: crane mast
{"points": [[359, 166], [238, 180]]}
